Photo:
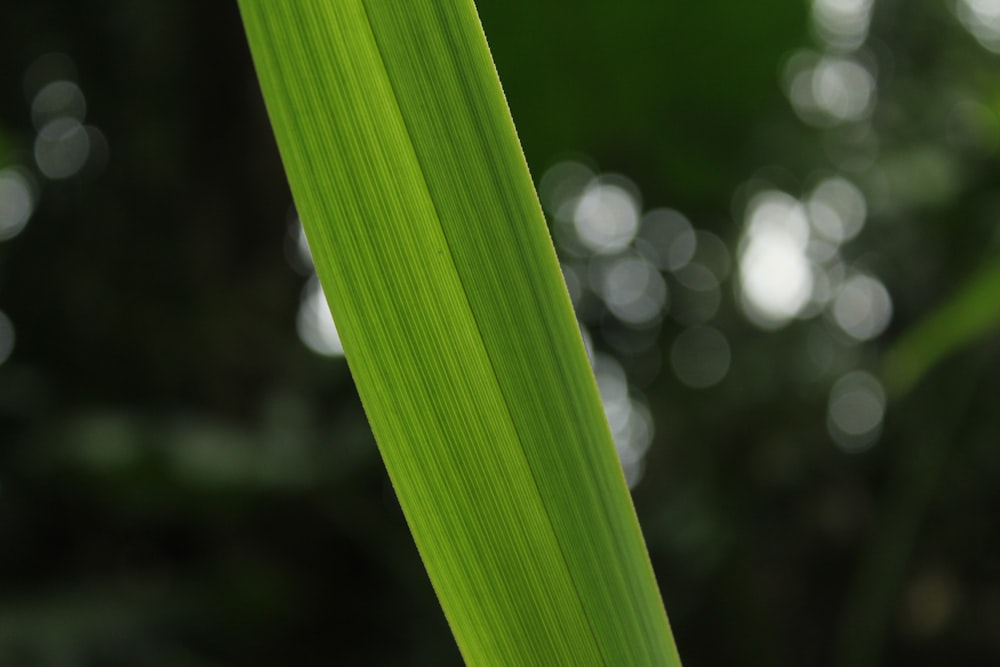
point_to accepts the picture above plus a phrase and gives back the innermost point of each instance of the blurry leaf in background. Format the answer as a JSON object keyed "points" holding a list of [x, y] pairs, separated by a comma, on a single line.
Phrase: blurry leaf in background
{"points": [[964, 319], [662, 91]]}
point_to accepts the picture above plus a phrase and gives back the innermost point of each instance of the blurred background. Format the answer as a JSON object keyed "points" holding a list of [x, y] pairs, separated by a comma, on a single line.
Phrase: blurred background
{"points": [[778, 222]]}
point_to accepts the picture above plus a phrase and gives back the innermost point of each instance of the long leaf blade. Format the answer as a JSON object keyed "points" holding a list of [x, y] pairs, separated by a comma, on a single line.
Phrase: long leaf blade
{"points": [[431, 246], [965, 318]]}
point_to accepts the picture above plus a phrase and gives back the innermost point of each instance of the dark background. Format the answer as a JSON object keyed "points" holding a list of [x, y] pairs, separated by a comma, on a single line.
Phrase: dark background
{"points": [[184, 482]]}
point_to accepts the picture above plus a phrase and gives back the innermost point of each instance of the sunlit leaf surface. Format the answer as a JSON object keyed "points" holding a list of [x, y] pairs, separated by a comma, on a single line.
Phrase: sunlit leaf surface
{"points": [[430, 244]]}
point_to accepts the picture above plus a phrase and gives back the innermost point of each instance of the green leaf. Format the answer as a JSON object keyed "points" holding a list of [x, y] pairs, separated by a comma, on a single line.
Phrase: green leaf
{"points": [[432, 249], [965, 318]]}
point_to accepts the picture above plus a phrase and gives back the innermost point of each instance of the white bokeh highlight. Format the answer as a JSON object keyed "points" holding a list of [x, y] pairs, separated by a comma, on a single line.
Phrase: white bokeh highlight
{"points": [[856, 411]]}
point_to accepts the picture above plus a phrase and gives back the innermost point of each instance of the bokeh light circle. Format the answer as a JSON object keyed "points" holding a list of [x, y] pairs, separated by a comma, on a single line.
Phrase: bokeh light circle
{"points": [[855, 411], [7, 337], [62, 148], [16, 202], [700, 357], [315, 322]]}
